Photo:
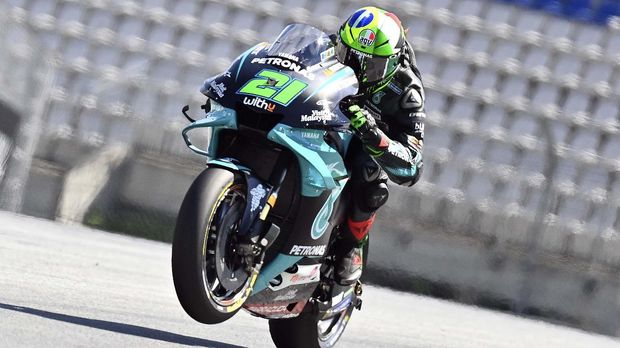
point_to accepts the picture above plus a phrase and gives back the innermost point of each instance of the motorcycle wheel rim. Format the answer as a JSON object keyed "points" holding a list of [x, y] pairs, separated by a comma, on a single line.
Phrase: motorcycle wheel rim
{"points": [[330, 330], [224, 299]]}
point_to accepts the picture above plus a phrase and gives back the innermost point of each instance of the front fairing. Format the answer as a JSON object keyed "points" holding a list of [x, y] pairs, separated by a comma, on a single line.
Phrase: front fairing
{"points": [[296, 78]]}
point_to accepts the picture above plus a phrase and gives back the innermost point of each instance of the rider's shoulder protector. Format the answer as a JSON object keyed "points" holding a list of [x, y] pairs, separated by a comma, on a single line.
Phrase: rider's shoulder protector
{"points": [[409, 84]]}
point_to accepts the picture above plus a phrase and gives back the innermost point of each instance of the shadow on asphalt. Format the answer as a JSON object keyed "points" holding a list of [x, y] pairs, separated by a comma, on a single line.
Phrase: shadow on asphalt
{"points": [[127, 329]]}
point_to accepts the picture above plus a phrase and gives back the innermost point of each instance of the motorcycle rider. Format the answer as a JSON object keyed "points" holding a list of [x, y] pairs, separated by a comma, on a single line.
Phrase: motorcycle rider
{"points": [[387, 117]]}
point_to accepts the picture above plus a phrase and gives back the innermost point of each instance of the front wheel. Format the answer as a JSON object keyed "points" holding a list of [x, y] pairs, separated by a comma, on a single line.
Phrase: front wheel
{"points": [[210, 281]]}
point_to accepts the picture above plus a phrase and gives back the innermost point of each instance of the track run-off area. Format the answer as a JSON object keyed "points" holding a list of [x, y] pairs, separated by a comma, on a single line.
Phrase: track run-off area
{"points": [[71, 286]]}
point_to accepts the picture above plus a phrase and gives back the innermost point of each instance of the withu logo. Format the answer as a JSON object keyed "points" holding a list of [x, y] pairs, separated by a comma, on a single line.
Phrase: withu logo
{"points": [[259, 103]]}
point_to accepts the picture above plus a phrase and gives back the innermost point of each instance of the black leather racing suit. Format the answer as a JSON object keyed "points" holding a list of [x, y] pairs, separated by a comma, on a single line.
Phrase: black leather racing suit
{"points": [[398, 109]]}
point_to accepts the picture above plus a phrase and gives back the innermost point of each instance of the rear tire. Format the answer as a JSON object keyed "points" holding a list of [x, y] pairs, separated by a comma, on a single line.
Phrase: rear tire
{"points": [[192, 264], [304, 331]]}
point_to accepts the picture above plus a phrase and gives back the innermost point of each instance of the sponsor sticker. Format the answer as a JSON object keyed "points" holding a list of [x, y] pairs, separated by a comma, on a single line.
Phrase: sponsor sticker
{"points": [[259, 103], [257, 193], [302, 278], [415, 143], [305, 274], [284, 63], [279, 310], [395, 88], [419, 127], [362, 54], [289, 56], [326, 104], [218, 88], [318, 116], [330, 52], [417, 114], [367, 37], [267, 309], [287, 295], [399, 154], [376, 98], [301, 250], [311, 135]]}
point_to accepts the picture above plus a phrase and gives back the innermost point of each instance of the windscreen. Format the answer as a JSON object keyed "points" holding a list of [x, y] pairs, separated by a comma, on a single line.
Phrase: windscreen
{"points": [[308, 44]]}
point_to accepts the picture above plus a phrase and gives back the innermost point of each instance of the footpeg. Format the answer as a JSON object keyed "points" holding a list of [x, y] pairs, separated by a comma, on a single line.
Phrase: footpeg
{"points": [[358, 304]]}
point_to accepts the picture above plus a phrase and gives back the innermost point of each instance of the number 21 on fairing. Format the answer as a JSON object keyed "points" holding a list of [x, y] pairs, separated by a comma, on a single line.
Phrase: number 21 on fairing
{"points": [[274, 86]]}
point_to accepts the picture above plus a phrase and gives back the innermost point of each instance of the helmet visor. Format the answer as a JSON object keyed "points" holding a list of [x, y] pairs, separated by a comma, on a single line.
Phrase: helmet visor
{"points": [[377, 68], [350, 57], [366, 67]]}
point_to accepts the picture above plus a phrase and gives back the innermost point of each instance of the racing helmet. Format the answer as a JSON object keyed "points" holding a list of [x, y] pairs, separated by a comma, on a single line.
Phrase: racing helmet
{"points": [[371, 42]]}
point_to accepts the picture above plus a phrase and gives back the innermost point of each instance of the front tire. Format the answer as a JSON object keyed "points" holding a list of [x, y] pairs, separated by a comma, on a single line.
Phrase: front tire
{"points": [[209, 290]]}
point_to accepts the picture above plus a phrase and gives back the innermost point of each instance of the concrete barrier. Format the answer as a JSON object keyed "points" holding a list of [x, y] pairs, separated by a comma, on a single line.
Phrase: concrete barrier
{"points": [[84, 182]]}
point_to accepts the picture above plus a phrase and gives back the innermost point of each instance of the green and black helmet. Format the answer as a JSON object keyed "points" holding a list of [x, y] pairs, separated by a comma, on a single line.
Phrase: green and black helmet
{"points": [[371, 42]]}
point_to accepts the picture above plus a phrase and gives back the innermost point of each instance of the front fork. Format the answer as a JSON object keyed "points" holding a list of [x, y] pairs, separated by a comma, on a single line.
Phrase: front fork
{"points": [[254, 238]]}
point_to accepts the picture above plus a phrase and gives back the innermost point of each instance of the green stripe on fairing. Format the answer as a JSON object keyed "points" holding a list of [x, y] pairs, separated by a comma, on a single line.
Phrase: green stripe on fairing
{"points": [[337, 76]]}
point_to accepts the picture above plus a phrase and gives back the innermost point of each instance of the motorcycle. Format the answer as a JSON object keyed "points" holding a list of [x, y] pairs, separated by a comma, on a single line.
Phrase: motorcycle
{"points": [[257, 229]]}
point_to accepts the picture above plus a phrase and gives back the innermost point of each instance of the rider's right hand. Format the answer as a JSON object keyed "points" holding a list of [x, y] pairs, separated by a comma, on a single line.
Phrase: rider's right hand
{"points": [[347, 102]]}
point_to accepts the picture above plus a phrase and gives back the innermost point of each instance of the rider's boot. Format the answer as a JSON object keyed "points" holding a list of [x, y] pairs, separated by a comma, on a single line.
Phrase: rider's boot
{"points": [[349, 258], [349, 267]]}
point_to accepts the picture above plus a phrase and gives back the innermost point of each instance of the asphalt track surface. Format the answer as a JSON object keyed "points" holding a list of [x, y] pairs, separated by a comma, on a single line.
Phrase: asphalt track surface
{"points": [[69, 286]]}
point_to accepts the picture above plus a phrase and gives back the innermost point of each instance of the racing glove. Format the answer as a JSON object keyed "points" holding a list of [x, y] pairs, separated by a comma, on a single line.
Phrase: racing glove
{"points": [[401, 161], [365, 127]]}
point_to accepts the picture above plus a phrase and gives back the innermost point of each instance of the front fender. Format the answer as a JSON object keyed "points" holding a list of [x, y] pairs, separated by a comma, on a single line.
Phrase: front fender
{"points": [[257, 193]]}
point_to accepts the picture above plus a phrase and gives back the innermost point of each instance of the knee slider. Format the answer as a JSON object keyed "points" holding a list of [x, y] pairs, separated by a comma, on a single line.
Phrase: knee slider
{"points": [[376, 195]]}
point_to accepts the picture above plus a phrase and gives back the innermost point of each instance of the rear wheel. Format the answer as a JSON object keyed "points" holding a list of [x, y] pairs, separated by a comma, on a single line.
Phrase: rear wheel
{"points": [[209, 278], [308, 330]]}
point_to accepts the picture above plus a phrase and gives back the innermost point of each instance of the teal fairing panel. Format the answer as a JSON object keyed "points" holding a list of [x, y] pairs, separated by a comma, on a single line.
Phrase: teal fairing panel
{"points": [[218, 118], [322, 168]]}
